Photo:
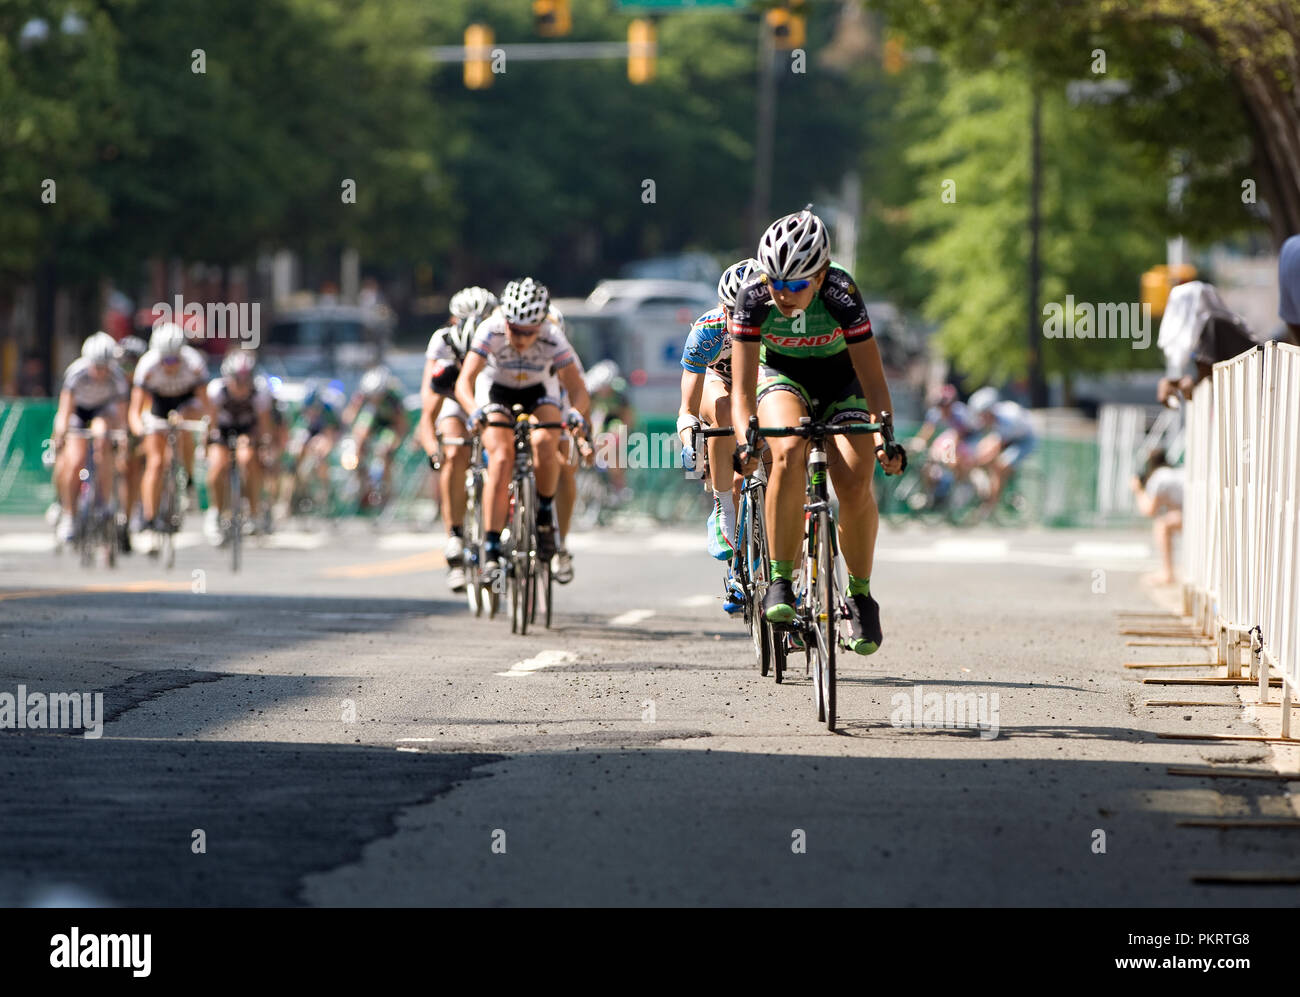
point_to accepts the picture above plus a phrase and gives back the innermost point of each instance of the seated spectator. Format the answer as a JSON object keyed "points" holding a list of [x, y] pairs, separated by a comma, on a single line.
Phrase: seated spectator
{"points": [[1159, 494]]}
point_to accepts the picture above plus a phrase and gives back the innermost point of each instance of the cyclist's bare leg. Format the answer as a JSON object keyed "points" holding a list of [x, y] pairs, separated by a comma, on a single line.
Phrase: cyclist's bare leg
{"points": [[151, 484], [566, 494], [546, 446], [218, 473], [250, 469], [498, 443], [851, 468], [451, 481], [785, 492], [69, 468], [715, 409]]}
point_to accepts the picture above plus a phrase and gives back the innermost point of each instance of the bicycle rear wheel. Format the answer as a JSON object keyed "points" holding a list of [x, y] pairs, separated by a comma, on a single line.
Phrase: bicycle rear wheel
{"points": [[753, 571], [523, 536], [473, 550]]}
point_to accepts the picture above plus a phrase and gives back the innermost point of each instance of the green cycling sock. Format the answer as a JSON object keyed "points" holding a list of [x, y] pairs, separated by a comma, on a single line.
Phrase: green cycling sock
{"points": [[782, 569], [859, 586]]}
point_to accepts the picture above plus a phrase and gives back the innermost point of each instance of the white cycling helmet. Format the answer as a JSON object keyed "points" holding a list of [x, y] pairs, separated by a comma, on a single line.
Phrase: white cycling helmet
{"points": [[982, 401], [99, 349], [794, 247], [375, 380], [480, 299], [601, 375], [525, 302], [733, 277], [167, 339], [238, 363], [457, 305]]}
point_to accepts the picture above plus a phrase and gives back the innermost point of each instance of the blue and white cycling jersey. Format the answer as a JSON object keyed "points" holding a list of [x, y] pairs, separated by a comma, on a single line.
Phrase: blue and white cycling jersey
{"points": [[708, 345]]}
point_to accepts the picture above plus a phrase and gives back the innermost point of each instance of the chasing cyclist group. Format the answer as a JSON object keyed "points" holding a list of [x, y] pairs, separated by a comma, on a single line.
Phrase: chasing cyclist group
{"points": [[789, 339]]}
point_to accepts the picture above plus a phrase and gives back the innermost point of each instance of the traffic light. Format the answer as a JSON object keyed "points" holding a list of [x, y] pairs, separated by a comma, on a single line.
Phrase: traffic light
{"points": [[1160, 280], [641, 50], [787, 25], [552, 18], [478, 57], [893, 58]]}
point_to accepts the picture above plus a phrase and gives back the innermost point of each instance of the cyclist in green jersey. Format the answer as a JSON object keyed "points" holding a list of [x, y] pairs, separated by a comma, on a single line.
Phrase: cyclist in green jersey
{"points": [[802, 346]]}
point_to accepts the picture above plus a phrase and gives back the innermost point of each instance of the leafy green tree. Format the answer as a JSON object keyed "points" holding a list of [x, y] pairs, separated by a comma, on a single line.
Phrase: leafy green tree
{"points": [[1213, 86], [970, 218]]}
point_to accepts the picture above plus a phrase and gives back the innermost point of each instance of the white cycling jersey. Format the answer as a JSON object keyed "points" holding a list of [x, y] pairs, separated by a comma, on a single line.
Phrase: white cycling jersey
{"points": [[548, 352], [171, 380], [90, 392]]}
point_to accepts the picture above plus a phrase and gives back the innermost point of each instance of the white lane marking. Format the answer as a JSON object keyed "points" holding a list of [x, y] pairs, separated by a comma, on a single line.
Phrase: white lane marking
{"points": [[1100, 551], [26, 543], [631, 617], [410, 541], [693, 601], [971, 549], [546, 659], [293, 540]]}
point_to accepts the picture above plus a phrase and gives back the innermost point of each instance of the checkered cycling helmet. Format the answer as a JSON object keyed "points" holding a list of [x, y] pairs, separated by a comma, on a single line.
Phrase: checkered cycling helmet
{"points": [[794, 247], [480, 299], [525, 302], [732, 278], [133, 347], [167, 339]]}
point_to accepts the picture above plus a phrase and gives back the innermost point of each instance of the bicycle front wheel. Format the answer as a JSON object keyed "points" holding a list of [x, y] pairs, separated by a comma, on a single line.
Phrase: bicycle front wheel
{"points": [[754, 576], [825, 621]]}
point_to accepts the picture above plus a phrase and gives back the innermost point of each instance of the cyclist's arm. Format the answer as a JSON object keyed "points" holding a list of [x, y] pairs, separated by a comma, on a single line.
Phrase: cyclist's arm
{"points": [[352, 411], [571, 377], [427, 394], [140, 397], [692, 393], [61, 416], [744, 381], [469, 372]]}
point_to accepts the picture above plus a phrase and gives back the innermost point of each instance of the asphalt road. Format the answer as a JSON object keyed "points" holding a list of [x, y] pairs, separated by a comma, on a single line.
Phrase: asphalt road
{"points": [[342, 732]]}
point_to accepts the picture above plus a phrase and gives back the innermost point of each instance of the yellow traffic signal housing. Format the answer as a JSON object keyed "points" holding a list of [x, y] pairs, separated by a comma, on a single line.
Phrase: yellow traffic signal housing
{"points": [[893, 57], [1160, 280], [552, 18], [641, 50], [787, 27], [478, 57]]}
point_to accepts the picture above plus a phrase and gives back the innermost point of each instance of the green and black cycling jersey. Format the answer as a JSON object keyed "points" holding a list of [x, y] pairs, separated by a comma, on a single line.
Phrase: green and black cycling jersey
{"points": [[808, 354]]}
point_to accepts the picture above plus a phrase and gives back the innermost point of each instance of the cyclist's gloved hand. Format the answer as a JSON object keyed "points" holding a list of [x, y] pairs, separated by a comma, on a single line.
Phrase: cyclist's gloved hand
{"points": [[688, 458], [478, 417], [889, 451], [575, 421], [744, 454]]}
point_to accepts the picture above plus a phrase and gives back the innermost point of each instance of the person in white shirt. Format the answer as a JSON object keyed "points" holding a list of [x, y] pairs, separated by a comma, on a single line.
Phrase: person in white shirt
{"points": [[169, 378], [1159, 495]]}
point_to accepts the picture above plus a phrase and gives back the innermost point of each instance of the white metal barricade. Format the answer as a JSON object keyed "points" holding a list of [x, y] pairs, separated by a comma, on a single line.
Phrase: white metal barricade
{"points": [[1241, 515], [1277, 505]]}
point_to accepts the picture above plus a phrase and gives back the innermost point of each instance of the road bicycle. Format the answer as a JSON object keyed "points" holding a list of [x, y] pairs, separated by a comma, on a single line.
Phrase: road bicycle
{"points": [[820, 608], [750, 564], [171, 505], [95, 517], [481, 594], [529, 574]]}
